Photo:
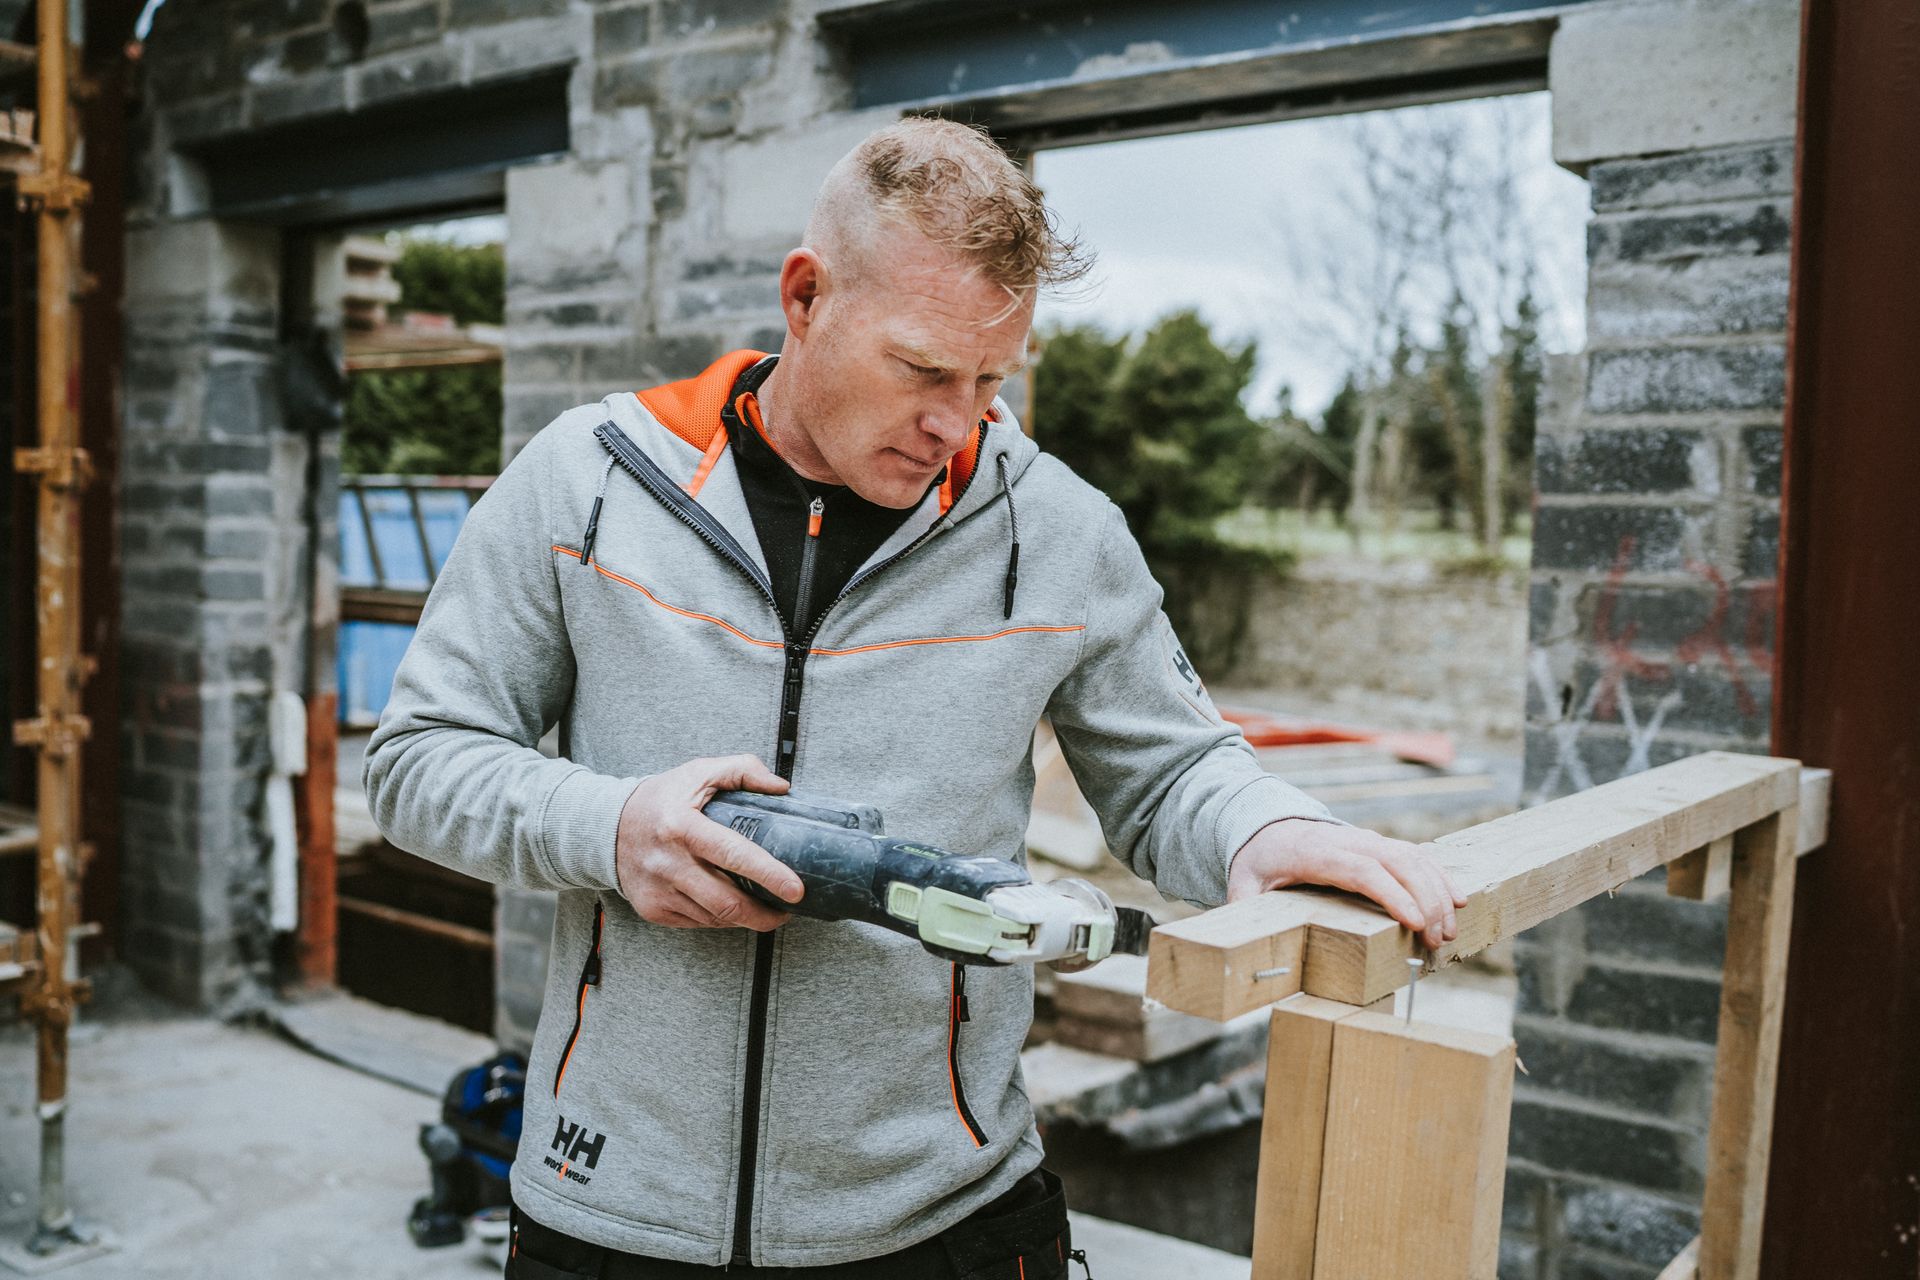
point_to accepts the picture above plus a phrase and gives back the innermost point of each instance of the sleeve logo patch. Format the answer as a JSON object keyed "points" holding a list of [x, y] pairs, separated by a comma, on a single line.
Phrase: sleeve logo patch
{"points": [[1195, 688]]}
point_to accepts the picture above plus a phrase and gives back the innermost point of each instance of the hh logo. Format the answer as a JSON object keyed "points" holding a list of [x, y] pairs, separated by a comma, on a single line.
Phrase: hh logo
{"points": [[576, 1145]]}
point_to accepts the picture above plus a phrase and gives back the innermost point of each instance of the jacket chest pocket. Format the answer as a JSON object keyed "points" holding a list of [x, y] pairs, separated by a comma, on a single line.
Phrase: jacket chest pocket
{"points": [[589, 981]]}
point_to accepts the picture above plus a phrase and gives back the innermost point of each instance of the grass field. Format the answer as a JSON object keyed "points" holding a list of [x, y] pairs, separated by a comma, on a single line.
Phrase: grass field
{"points": [[1416, 537]]}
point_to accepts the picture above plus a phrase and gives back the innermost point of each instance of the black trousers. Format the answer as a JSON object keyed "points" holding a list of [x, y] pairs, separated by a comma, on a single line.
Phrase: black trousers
{"points": [[1022, 1235]]}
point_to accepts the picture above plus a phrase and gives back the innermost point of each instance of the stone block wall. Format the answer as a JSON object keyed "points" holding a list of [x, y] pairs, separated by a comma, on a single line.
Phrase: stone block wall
{"points": [[1655, 536], [202, 538]]}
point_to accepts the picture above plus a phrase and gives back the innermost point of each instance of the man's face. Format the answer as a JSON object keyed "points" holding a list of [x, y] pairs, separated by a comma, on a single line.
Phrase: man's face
{"points": [[897, 366]]}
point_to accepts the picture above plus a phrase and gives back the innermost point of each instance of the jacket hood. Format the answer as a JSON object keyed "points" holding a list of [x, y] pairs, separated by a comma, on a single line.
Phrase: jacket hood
{"points": [[678, 425]]}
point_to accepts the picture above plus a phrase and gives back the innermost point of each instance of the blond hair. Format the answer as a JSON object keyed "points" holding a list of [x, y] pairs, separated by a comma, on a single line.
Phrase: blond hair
{"points": [[955, 185]]}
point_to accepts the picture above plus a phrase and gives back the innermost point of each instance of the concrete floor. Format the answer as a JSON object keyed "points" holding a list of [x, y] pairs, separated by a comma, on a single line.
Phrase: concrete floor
{"points": [[207, 1151]]}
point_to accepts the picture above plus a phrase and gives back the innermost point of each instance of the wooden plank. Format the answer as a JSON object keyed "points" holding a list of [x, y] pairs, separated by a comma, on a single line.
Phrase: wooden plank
{"points": [[1415, 1151], [1685, 1264], [1206, 965], [1704, 874], [1516, 871], [1747, 1049], [1115, 990], [1816, 792], [400, 918], [1104, 1009], [1286, 1203]]}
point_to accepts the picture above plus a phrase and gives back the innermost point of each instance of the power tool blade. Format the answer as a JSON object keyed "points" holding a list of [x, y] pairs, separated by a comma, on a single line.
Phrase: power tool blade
{"points": [[1130, 929]]}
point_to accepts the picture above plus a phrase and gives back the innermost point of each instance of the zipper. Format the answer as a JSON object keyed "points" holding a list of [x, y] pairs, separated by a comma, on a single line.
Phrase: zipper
{"points": [[656, 482], [956, 1014], [589, 977], [636, 463]]}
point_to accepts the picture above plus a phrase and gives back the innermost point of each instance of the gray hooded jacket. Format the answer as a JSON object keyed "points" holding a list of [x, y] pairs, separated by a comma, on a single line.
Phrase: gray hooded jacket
{"points": [[828, 1091]]}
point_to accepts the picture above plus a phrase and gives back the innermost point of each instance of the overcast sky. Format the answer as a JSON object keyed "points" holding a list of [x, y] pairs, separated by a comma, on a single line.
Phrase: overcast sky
{"points": [[1241, 222]]}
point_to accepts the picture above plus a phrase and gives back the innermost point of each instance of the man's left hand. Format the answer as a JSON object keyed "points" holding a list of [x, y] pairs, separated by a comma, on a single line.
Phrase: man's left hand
{"points": [[1414, 889]]}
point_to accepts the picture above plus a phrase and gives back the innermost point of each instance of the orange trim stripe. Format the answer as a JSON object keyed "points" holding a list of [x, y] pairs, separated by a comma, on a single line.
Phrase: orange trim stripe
{"points": [[828, 653], [715, 447], [581, 1014], [685, 613], [904, 644]]}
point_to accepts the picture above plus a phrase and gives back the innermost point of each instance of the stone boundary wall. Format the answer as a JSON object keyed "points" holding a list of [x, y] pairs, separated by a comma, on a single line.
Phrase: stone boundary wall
{"points": [[1390, 647]]}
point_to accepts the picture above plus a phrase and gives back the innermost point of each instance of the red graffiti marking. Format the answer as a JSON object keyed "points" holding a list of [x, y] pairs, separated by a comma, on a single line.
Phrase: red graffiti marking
{"points": [[1617, 658], [1708, 643], [1710, 640]]}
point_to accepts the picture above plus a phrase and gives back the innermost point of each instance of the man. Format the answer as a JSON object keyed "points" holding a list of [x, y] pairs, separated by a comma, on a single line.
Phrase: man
{"points": [[844, 568]]}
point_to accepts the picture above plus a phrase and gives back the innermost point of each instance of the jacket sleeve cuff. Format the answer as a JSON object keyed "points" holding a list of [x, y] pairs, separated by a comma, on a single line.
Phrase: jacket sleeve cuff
{"points": [[580, 826], [1265, 800]]}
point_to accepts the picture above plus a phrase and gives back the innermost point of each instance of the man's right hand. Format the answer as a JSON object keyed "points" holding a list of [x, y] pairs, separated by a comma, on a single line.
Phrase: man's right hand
{"points": [[671, 858]]}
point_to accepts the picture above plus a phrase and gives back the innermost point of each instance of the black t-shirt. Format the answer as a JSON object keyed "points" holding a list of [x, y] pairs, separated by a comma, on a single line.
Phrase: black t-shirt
{"points": [[778, 498]]}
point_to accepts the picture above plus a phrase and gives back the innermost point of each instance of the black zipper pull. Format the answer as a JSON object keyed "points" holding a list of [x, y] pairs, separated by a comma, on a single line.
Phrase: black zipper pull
{"points": [[593, 524], [593, 956], [960, 992], [593, 516]]}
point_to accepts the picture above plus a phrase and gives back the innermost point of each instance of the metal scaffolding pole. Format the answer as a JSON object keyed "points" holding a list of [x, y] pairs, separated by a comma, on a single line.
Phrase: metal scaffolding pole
{"points": [[61, 468]]}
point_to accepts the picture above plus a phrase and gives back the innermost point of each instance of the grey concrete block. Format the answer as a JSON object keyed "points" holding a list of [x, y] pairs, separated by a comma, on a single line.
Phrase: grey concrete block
{"points": [[1705, 297], [1519, 1259], [433, 68], [1687, 379], [1760, 558], [1553, 1136], [621, 29], [310, 51], [1656, 928], [1608, 998], [520, 47], [1694, 618], [1639, 460], [1636, 538], [1694, 177], [629, 82], [542, 362], [684, 79], [398, 26], [1696, 692], [1613, 1071], [1726, 231], [470, 13], [682, 18], [1643, 79], [1762, 448], [1629, 1224], [205, 118], [236, 495]]}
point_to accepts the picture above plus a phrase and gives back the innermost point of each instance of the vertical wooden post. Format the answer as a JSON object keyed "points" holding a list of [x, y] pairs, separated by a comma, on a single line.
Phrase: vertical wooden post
{"points": [[1746, 1062], [1286, 1204], [1415, 1153]]}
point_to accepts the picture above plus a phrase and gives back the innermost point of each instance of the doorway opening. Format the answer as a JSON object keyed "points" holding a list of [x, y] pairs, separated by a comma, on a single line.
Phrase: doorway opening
{"points": [[421, 308]]}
